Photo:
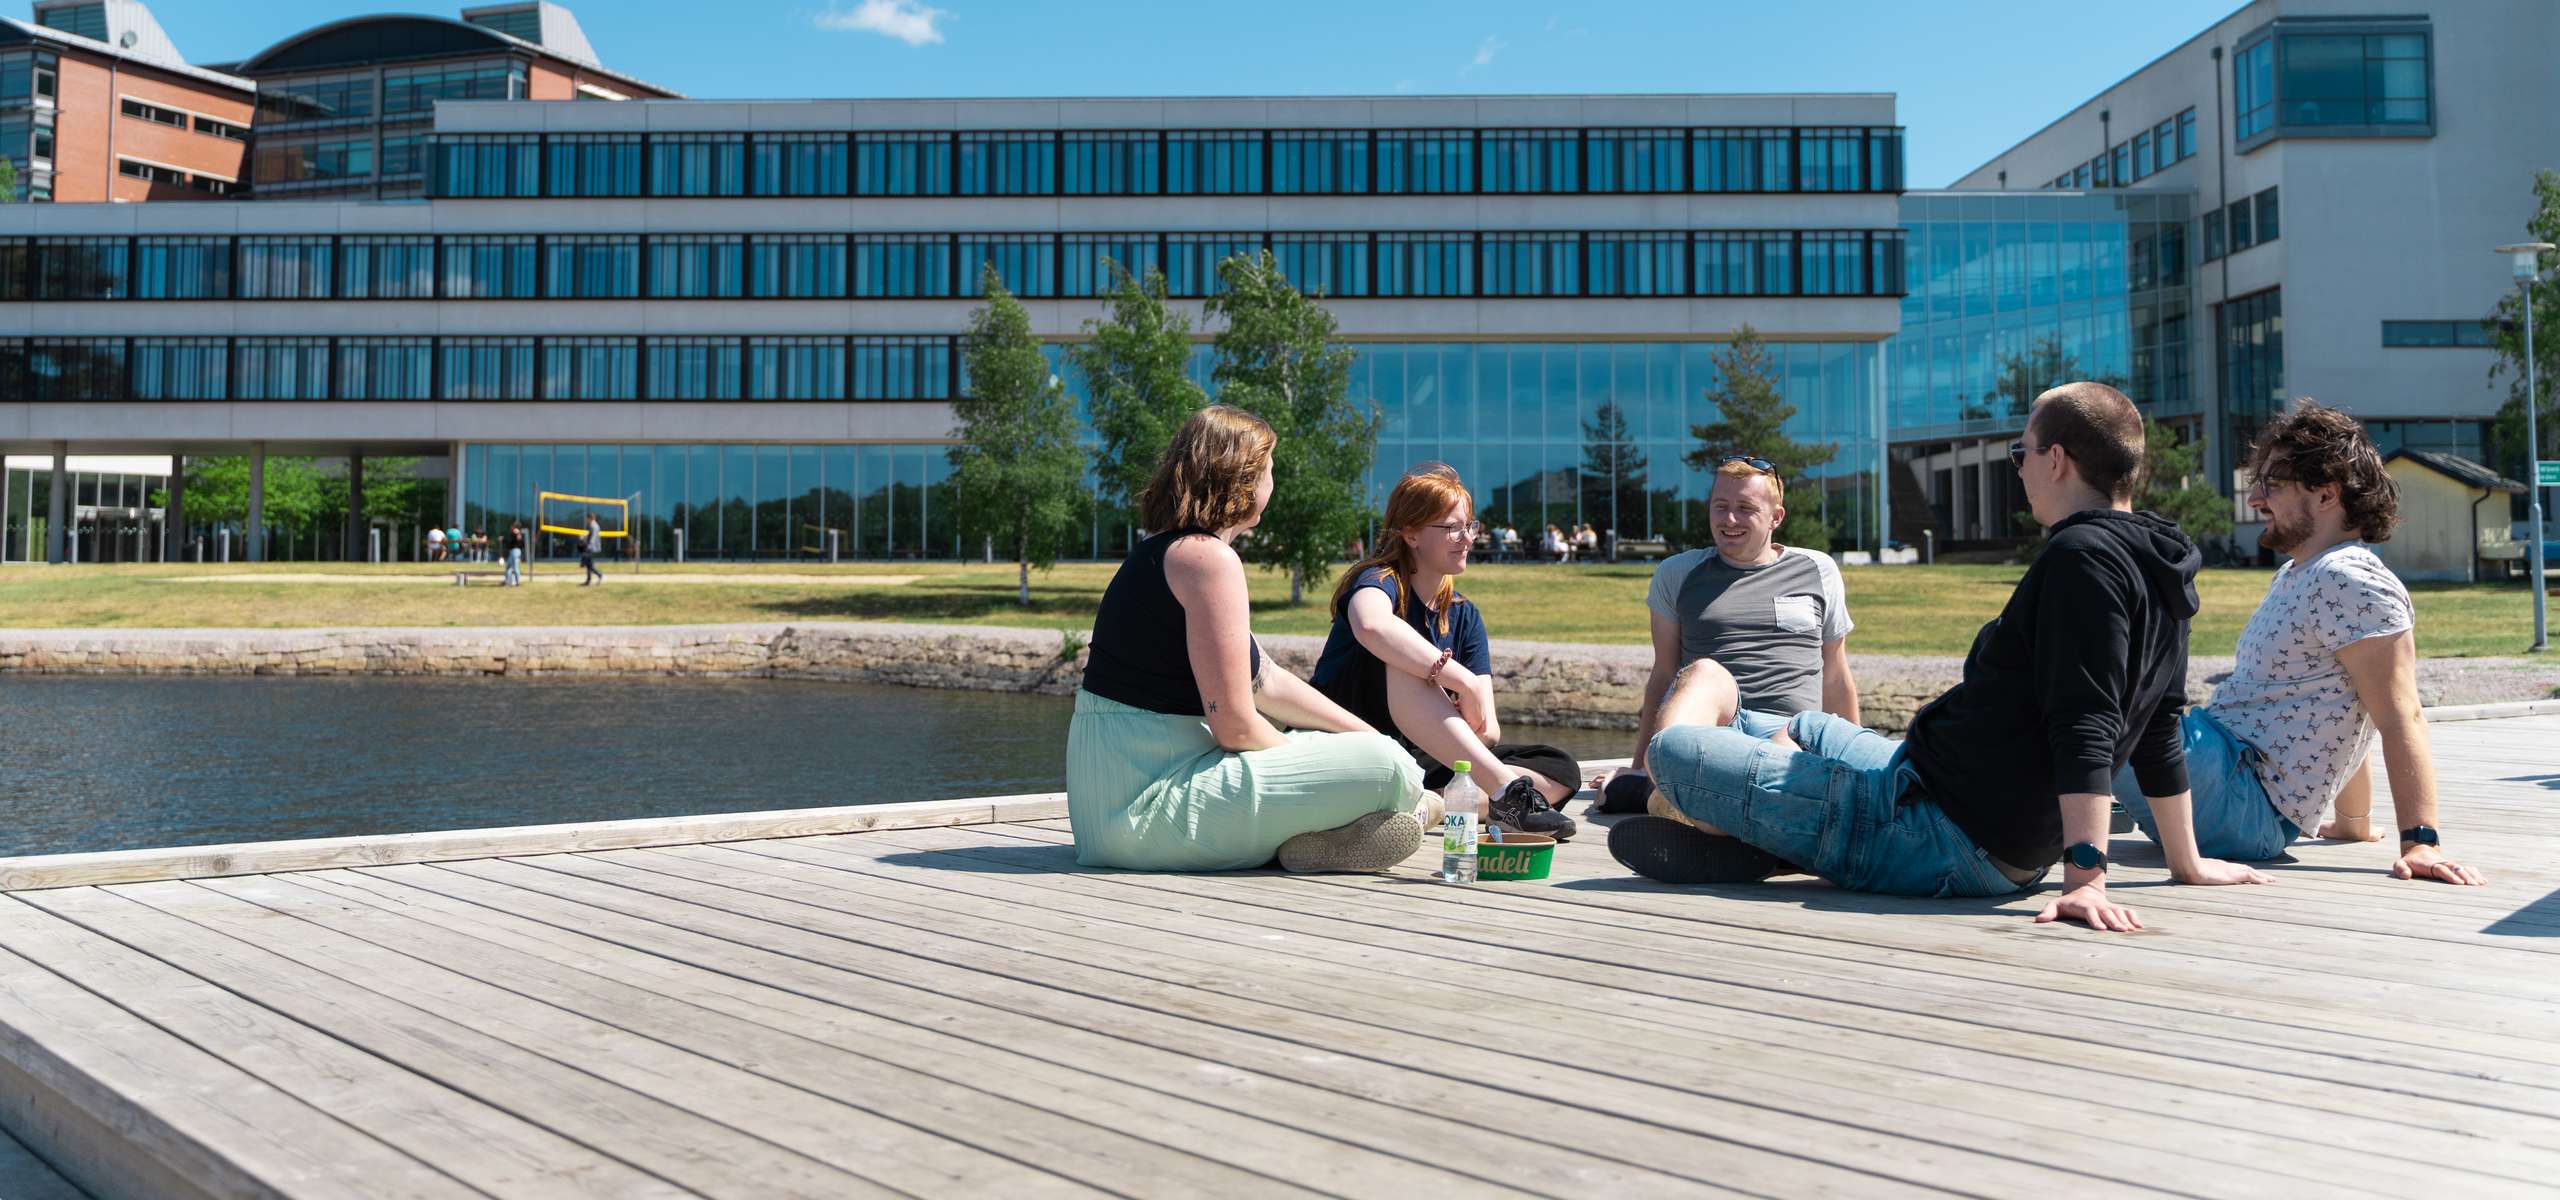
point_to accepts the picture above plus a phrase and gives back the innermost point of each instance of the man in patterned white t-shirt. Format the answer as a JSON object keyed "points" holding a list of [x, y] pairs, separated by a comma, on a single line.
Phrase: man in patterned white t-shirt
{"points": [[2327, 661]]}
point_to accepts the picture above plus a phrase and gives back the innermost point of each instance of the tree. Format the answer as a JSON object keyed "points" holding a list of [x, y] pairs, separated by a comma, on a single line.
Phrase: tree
{"points": [[1277, 360], [2507, 451], [2174, 484], [1017, 473], [1613, 472], [1751, 421], [8, 181], [1137, 382], [2020, 378]]}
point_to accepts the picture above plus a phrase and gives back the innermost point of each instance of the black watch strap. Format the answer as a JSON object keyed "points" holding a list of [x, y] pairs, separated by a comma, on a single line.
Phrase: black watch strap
{"points": [[2086, 856], [2420, 835]]}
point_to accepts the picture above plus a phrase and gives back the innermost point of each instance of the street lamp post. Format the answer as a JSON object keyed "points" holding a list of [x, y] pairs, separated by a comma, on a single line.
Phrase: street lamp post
{"points": [[2527, 257]]}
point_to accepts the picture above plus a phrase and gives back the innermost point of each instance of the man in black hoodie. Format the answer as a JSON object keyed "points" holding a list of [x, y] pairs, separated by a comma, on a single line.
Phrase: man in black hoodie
{"points": [[2011, 770]]}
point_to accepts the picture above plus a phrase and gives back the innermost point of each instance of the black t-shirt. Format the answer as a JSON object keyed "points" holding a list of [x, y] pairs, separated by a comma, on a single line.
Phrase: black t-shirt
{"points": [[515, 540], [1141, 653], [1357, 680]]}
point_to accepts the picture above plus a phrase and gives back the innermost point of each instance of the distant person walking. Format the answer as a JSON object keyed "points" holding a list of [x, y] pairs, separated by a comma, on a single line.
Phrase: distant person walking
{"points": [[590, 544], [515, 554]]}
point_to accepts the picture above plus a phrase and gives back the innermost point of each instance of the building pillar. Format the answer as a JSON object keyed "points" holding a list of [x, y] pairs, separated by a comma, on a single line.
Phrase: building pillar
{"points": [[173, 515], [1994, 514], [257, 502], [58, 505], [1959, 500], [355, 508]]}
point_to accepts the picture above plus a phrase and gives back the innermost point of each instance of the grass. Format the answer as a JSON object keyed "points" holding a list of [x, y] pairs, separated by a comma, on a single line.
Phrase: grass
{"points": [[1900, 610]]}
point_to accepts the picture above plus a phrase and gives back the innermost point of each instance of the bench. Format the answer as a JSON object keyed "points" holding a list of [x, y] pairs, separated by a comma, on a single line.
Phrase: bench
{"points": [[463, 577]]}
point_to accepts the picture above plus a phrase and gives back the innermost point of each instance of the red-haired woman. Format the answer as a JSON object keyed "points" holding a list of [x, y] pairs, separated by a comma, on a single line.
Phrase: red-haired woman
{"points": [[1408, 653], [1174, 762]]}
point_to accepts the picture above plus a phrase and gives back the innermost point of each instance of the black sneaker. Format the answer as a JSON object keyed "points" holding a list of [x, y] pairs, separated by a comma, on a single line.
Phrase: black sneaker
{"points": [[1521, 809], [1667, 851]]}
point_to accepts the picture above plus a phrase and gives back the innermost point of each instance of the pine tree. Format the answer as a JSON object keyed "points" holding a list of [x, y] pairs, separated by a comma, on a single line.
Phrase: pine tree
{"points": [[1751, 421], [1017, 473], [2174, 485], [1136, 368], [1277, 360], [1613, 472]]}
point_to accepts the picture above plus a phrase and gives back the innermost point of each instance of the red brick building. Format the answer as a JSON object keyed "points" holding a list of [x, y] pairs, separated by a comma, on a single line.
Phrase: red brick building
{"points": [[96, 104]]}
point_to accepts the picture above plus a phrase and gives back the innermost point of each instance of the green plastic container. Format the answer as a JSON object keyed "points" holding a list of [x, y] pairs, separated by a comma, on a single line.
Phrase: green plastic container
{"points": [[1517, 856]]}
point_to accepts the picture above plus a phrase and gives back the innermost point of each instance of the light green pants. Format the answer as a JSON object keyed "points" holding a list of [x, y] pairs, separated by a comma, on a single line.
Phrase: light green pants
{"points": [[1152, 791]]}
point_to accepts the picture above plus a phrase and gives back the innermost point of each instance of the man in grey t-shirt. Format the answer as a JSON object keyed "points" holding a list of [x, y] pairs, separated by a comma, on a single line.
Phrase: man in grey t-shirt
{"points": [[1774, 616]]}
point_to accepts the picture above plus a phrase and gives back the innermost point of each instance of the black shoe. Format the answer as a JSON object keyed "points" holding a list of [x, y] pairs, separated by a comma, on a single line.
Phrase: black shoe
{"points": [[2118, 820], [1522, 809], [1667, 851]]}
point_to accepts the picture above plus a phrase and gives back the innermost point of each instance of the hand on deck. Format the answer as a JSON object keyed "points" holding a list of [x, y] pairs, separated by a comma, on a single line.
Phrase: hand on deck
{"points": [[2212, 872], [2428, 862], [2089, 905]]}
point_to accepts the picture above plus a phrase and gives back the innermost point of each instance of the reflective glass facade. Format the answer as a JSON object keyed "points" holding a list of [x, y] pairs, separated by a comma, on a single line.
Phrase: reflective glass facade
{"points": [[2092, 285], [1543, 433], [2327, 77]]}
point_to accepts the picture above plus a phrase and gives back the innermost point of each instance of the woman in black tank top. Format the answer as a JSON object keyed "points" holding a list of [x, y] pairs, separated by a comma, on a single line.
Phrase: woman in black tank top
{"points": [[1176, 759]]}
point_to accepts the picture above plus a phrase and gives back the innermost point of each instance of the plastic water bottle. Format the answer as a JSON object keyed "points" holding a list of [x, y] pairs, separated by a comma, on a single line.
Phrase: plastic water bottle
{"points": [[1462, 799]]}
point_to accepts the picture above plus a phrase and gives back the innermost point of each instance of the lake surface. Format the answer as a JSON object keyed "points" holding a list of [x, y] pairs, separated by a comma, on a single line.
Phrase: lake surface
{"points": [[123, 762]]}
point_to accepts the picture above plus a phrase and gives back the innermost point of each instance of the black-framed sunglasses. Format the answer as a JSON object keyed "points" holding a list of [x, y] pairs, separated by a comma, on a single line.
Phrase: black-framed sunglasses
{"points": [[1762, 465], [2018, 455]]}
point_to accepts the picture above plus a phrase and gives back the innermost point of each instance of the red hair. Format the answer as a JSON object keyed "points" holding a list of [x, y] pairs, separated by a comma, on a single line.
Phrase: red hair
{"points": [[1426, 494]]}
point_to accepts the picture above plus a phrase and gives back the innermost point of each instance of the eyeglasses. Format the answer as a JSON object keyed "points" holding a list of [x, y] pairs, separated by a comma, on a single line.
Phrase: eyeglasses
{"points": [[1468, 530], [2019, 450], [1762, 465]]}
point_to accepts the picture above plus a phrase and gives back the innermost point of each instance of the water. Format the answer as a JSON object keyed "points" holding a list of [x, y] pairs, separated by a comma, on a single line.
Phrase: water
{"points": [[122, 762]]}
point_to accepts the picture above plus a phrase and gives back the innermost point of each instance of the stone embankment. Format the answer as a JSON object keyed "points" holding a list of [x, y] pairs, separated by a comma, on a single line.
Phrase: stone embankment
{"points": [[1541, 682]]}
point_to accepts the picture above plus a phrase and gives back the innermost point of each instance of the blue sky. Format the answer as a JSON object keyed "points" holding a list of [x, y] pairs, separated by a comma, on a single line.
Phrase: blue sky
{"points": [[1974, 76]]}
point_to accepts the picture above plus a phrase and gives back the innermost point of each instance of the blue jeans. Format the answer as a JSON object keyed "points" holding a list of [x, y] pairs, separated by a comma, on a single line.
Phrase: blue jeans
{"points": [[515, 567], [1842, 807], [2233, 816]]}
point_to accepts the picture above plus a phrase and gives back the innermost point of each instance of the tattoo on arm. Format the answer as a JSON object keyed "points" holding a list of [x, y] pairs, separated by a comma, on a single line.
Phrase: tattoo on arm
{"points": [[1213, 706]]}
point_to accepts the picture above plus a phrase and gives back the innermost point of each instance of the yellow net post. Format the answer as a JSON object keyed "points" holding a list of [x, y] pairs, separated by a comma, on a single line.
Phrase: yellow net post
{"points": [[546, 504]]}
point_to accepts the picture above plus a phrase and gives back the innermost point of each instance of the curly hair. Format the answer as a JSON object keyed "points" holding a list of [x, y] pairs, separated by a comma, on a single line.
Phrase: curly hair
{"points": [[2315, 445], [1208, 473]]}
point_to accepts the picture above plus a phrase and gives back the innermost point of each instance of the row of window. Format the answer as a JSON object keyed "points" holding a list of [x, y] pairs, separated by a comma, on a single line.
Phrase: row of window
{"points": [[29, 78], [1848, 262], [2245, 222], [175, 119], [2136, 158], [395, 92], [2435, 333], [2311, 80], [1183, 162], [173, 177], [902, 367]]}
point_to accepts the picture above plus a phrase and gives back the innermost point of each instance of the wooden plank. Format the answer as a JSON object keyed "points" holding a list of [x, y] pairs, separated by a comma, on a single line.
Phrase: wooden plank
{"points": [[660, 1129], [1473, 1088], [259, 858], [1966, 939], [1325, 1095], [910, 1031], [478, 1145], [1830, 1057], [1768, 999], [976, 1120], [128, 1110]]}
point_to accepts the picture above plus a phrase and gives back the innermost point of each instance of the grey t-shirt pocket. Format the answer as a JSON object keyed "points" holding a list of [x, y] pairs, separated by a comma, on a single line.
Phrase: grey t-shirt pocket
{"points": [[1799, 614]]}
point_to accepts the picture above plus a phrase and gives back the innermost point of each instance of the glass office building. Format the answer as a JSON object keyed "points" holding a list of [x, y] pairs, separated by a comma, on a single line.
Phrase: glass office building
{"points": [[2009, 293], [1544, 434]]}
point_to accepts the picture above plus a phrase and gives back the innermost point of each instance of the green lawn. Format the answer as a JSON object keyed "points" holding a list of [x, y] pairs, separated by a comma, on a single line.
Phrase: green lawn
{"points": [[1903, 610]]}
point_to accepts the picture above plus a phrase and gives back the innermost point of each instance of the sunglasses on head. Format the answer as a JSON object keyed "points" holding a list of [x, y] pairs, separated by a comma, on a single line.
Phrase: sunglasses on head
{"points": [[1762, 465]]}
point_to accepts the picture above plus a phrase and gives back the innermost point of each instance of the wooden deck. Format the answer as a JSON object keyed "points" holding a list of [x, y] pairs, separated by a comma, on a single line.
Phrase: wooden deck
{"points": [[940, 1011]]}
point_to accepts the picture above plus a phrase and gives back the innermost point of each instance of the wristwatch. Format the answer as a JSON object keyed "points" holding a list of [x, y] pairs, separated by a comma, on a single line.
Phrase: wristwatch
{"points": [[2420, 835], [2086, 856]]}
